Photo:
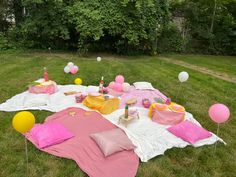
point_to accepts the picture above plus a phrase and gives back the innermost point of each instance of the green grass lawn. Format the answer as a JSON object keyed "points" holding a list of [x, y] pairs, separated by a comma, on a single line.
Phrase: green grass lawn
{"points": [[201, 91], [221, 64]]}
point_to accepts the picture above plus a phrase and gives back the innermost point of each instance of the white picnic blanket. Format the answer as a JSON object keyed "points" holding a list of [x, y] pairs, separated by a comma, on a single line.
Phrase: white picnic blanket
{"points": [[150, 138]]}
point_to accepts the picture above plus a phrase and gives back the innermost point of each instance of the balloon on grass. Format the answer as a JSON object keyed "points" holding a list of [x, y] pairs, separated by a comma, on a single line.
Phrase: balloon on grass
{"points": [[74, 69], [99, 59], [120, 79], [71, 68], [219, 113], [117, 87], [111, 84], [70, 65], [78, 81], [23, 121], [183, 76], [126, 87], [67, 69]]}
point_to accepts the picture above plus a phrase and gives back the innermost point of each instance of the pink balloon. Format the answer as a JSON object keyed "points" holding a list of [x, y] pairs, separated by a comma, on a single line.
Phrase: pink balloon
{"points": [[111, 84], [74, 69], [219, 113], [120, 79], [117, 87]]}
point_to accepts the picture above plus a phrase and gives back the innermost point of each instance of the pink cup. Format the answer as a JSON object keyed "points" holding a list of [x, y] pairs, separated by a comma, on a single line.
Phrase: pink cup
{"points": [[79, 98]]}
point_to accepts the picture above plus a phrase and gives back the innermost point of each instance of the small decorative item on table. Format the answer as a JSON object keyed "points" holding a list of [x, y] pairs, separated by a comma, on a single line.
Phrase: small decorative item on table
{"points": [[105, 90], [168, 101], [146, 103], [159, 100], [68, 93], [131, 102], [134, 113], [106, 97], [126, 118], [80, 97]]}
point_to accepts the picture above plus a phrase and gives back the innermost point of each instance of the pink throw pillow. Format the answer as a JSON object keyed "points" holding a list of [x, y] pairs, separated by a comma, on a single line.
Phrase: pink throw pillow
{"points": [[112, 141], [189, 132], [168, 117], [49, 134]]}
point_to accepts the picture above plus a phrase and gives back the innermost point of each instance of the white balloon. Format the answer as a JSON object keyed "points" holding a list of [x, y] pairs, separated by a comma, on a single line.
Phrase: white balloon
{"points": [[183, 76], [70, 65], [67, 69], [126, 87], [99, 58]]}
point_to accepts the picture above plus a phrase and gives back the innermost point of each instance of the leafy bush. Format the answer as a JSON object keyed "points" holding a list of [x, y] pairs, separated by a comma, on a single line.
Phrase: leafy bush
{"points": [[170, 40], [5, 44]]}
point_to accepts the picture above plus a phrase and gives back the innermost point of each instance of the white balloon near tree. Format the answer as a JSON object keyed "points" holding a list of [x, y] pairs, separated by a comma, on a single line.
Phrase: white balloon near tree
{"points": [[183, 76]]}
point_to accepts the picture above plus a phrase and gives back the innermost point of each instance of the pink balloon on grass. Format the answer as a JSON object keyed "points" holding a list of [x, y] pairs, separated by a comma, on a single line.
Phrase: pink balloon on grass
{"points": [[117, 87], [219, 113], [120, 79], [74, 69], [111, 84]]}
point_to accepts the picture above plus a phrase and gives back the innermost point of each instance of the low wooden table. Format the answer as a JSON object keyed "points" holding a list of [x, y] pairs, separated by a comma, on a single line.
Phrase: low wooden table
{"points": [[126, 121]]}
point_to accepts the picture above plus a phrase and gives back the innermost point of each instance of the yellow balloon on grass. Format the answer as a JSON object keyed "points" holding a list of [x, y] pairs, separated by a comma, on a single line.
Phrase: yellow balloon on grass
{"points": [[23, 121], [78, 81]]}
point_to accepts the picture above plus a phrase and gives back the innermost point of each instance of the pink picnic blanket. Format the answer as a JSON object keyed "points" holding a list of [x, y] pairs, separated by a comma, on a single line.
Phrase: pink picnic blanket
{"points": [[84, 150], [140, 95]]}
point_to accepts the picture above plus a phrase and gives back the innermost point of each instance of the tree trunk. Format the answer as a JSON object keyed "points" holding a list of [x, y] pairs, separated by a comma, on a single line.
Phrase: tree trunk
{"points": [[213, 17], [18, 11]]}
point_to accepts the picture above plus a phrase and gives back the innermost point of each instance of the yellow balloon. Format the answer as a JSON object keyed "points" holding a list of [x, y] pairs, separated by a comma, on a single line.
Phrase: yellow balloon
{"points": [[78, 81], [23, 121]]}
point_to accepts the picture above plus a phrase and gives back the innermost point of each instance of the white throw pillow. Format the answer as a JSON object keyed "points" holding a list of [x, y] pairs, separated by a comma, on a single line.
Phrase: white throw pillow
{"points": [[35, 100], [143, 86]]}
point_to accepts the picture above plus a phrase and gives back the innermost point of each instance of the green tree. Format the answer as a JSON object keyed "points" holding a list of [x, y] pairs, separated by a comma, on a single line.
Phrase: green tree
{"points": [[211, 25], [4, 15], [121, 26], [131, 25]]}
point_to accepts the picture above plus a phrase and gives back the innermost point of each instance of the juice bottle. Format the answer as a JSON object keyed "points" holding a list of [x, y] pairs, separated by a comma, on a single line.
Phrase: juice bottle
{"points": [[101, 84], [126, 111], [45, 74]]}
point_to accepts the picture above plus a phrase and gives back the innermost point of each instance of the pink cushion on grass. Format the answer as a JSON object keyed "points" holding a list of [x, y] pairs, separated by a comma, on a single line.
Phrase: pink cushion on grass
{"points": [[112, 141], [49, 134], [189, 132]]}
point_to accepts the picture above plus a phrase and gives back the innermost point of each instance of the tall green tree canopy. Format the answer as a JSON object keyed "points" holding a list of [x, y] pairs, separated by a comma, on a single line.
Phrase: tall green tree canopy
{"points": [[122, 26], [127, 23]]}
